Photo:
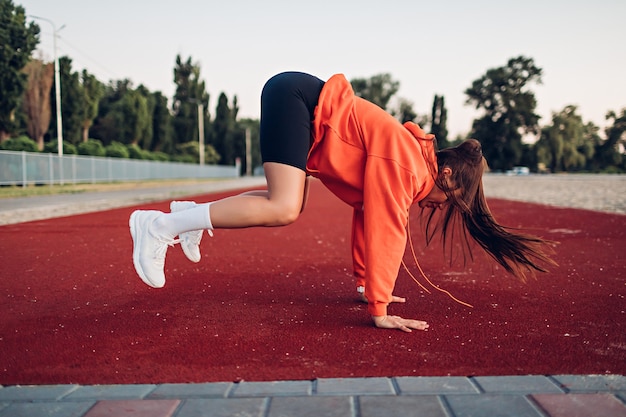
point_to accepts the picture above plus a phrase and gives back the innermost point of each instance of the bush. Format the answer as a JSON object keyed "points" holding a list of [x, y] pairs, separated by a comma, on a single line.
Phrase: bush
{"points": [[210, 155], [116, 150], [160, 156], [92, 147], [188, 152], [135, 152], [20, 143], [53, 147], [187, 159]]}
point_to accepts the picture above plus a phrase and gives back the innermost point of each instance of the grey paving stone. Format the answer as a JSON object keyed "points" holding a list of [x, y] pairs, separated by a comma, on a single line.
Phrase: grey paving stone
{"points": [[435, 385], [592, 383], [517, 384], [395, 406], [311, 407], [134, 408], [491, 405], [35, 393], [355, 386], [272, 389], [47, 409], [223, 407], [110, 392], [206, 390]]}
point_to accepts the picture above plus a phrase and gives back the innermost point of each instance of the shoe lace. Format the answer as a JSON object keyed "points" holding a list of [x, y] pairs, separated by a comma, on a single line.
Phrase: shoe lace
{"points": [[161, 249]]}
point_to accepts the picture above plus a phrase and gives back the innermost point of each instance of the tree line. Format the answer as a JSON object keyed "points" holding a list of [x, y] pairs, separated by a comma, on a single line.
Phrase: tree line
{"points": [[120, 120]]}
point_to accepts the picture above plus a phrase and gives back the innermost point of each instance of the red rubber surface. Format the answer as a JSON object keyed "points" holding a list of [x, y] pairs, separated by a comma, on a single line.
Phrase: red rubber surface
{"points": [[279, 304]]}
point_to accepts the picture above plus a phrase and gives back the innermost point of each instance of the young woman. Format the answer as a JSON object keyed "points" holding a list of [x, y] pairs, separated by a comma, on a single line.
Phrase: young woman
{"points": [[370, 161]]}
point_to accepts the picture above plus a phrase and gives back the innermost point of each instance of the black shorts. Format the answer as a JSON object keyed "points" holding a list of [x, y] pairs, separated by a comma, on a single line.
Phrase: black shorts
{"points": [[288, 101]]}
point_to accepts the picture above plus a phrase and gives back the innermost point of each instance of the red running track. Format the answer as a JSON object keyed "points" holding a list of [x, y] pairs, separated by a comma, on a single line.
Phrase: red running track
{"points": [[279, 304]]}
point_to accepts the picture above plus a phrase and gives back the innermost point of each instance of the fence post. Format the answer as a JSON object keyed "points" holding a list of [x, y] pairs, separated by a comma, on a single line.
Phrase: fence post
{"points": [[61, 179], [51, 179], [74, 169], [24, 170]]}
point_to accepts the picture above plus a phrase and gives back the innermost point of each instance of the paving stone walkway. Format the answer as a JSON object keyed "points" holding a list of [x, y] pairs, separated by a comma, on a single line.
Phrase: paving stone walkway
{"points": [[519, 396]]}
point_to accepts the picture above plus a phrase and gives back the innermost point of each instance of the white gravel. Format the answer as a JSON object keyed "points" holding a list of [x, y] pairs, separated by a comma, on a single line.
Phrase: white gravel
{"points": [[596, 192]]}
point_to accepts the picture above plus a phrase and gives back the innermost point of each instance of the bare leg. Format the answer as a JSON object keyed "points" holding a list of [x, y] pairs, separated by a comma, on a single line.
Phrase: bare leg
{"points": [[278, 206], [265, 194]]}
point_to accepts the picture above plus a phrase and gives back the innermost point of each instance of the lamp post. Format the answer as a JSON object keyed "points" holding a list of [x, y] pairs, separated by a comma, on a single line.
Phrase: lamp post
{"points": [[201, 131], [57, 83], [200, 127], [248, 153]]}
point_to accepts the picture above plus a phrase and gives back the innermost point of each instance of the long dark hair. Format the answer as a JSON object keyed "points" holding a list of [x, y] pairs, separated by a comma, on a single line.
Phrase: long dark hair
{"points": [[468, 216]]}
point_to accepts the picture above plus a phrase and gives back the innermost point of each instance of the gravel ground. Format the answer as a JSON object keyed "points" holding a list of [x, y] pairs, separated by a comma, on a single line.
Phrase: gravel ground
{"points": [[596, 192], [587, 191]]}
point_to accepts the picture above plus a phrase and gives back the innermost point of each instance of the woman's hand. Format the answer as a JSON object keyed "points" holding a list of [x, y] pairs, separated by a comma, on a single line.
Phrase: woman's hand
{"points": [[397, 322]]}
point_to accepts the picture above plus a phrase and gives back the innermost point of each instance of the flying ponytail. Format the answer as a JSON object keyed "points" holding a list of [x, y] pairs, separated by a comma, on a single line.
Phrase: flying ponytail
{"points": [[468, 216]]}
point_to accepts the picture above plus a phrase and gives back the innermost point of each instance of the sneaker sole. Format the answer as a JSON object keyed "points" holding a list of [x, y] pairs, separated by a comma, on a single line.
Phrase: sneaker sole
{"points": [[188, 254], [132, 223]]}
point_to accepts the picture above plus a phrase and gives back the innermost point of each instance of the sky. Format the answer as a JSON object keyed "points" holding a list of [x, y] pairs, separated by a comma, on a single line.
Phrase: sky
{"points": [[430, 47]]}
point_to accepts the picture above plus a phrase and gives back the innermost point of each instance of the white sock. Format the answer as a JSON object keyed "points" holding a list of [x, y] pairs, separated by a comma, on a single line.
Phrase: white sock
{"points": [[195, 218]]}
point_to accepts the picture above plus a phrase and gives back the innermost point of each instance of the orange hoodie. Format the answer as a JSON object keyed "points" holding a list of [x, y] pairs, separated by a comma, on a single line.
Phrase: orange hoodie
{"points": [[380, 168]]}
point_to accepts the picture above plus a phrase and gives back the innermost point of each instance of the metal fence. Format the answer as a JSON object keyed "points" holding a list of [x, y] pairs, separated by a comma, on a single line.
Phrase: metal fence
{"points": [[22, 168]]}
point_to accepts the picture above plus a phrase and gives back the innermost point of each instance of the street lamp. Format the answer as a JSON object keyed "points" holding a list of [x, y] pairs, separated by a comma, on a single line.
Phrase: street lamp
{"points": [[201, 131], [200, 128], [57, 83]]}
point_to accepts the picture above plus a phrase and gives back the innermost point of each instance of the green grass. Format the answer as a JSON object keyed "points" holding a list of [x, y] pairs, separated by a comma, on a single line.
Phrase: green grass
{"points": [[38, 190], [32, 190]]}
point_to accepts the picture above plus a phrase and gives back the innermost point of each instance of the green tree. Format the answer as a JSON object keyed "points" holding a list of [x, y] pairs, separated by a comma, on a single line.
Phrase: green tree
{"points": [[133, 116], [405, 111], [92, 91], [378, 89], [567, 144], [104, 127], [608, 155], [190, 92], [222, 137], [509, 110], [145, 135], [71, 103], [161, 125], [17, 41], [439, 119], [36, 99], [125, 115]]}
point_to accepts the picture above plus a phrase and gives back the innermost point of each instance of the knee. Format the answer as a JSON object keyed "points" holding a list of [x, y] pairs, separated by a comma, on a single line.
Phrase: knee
{"points": [[286, 215]]}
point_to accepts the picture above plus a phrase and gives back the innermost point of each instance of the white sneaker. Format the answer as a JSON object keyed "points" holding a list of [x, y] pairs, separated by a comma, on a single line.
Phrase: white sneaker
{"points": [[148, 250], [189, 241]]}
